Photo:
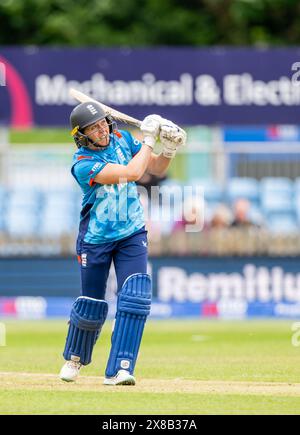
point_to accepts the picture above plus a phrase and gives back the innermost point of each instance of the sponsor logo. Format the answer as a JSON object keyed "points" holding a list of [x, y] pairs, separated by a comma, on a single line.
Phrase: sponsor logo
{"points": [[125, 364], [92, 109], [287, 310], [2, 74], [21, 109], [31, 307], [296, 75], [204, 89], [84, 260], [161, 310], [236, 309], [252, 284], [209, 310], [94, 168]]}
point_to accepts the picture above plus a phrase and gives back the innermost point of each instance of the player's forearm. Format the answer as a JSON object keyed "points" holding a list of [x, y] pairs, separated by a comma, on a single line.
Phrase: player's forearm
{"points": [[158, 165], [115, 173], [138, 165]]}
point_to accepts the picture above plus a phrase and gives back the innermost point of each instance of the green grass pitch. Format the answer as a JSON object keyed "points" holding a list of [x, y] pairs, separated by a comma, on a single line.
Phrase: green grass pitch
{"points": [[184, 367]]}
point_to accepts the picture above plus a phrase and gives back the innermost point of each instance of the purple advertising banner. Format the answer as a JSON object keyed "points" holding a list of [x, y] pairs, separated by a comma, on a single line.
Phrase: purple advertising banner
{"points": [[188, 85]]}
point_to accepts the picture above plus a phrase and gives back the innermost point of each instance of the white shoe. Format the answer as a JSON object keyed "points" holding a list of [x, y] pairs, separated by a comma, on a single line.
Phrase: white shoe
{"points": [[123, 377], [70, 369]]}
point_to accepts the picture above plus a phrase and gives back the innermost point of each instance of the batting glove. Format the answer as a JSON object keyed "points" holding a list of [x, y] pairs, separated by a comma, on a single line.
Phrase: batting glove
{"points": [[150, 128], [171, 137]]}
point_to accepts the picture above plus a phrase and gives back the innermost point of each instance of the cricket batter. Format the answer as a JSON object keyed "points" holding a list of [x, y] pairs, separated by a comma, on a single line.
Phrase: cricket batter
{"points": [[112, 228]]}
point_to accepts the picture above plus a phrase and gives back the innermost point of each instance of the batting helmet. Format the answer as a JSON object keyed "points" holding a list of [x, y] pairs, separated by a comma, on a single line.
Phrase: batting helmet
{"points": [[84, 115]]}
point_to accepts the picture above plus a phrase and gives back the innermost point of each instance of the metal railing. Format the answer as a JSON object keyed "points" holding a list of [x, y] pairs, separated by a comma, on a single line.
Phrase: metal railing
{"points": [[263, 159], [215, 242]]}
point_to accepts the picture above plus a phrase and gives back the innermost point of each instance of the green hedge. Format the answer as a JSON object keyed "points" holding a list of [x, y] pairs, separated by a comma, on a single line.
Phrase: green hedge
{"points": [[150, 22]]}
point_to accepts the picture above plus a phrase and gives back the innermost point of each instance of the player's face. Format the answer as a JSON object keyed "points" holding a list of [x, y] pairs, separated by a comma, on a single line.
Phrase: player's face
{"points": [[98, 132]]}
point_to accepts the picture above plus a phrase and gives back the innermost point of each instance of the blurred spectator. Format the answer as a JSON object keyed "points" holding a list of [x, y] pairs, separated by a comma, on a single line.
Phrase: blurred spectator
{"points": [[241, 210], [221, 218]]}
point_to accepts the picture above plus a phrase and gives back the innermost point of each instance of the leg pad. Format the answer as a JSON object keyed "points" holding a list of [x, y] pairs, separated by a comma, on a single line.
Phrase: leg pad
{"points": [[134, 304], [86, 320]]}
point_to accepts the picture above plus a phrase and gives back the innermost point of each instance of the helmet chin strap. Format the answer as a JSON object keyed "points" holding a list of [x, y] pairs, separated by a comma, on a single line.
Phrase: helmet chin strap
{"points": [[95, 143]]}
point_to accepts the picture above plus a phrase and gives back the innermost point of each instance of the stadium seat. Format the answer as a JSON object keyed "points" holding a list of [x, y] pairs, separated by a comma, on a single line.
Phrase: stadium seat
{"points": [[59, 206], [77, 203], [21, 224], [24, 198], [58, 200], [56, 225], [277, 203], [282, 224], [3, 201], [277, 196], [3, 193], [297, 186], [21, 213], [213, 192], [297, 206], [247, 188], [256, 215], [277, 185]]}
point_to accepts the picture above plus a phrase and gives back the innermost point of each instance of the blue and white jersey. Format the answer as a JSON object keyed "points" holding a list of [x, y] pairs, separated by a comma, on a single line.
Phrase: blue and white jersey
{"points": [[109, 211]]}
